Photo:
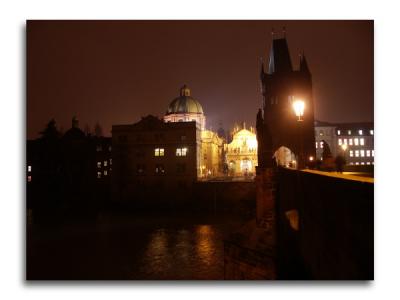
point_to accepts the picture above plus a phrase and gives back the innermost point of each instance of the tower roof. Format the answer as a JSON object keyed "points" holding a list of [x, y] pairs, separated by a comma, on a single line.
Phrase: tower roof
{"points": [[279, 57]]}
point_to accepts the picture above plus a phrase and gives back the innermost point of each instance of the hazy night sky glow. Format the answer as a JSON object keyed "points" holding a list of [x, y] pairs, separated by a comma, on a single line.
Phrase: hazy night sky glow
{"points": [[114, 72]]}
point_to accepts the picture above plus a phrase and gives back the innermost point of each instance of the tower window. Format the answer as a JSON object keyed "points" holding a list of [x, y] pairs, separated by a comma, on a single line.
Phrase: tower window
{"points": [[349, 132], [351, 153], [356, 141], [340, 142], [105, 163], [99, 164], [368, 153], [362, 141], [362, 153], [338, 132], [360, 132], [371, 132], [29, 168]]}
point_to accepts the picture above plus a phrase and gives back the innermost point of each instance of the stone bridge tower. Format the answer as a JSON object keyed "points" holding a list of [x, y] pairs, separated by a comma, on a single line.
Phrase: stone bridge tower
{"points": [[277, 124]]}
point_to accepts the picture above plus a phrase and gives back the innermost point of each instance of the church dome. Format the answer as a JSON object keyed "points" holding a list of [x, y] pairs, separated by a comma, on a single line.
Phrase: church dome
{"points": [[185, 103]]}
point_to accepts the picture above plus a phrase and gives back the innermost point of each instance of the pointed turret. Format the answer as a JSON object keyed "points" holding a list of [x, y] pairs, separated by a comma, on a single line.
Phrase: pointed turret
{"points": [[303, 64], [279, 57]]}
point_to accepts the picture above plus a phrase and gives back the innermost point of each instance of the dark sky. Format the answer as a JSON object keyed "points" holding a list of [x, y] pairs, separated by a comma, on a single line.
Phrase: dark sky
{"points": [[115, 72]]}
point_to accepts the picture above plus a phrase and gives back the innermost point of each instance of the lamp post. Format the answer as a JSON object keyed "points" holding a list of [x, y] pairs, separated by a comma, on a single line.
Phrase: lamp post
{"points": [[298, 107]]}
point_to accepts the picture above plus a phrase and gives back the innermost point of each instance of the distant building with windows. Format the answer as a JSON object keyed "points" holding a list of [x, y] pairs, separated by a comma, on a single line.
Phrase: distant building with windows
{"points": [[165, 154], [353, 140]]}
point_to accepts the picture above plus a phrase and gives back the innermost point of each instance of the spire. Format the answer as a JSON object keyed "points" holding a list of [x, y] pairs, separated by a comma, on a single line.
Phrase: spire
{"points": [[303, 64], [279, 57]]}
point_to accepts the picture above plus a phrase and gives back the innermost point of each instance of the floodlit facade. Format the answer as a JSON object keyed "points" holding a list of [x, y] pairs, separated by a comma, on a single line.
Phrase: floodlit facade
{"points": [[241, 153]]}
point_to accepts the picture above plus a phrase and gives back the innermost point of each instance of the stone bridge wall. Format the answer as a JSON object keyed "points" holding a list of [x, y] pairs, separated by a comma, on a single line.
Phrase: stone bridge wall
{"points": [[325, 227]]}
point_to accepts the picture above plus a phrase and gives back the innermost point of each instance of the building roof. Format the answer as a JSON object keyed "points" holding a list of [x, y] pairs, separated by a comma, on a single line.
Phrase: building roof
{"points": [[185, 103]]}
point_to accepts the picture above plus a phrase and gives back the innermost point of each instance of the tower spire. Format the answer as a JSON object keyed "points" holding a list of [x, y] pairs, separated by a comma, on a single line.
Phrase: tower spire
{"points": [[303, 64]]}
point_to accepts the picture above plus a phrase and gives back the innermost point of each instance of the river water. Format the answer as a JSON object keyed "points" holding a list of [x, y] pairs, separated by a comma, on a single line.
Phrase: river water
{"points": [[128, 247]]}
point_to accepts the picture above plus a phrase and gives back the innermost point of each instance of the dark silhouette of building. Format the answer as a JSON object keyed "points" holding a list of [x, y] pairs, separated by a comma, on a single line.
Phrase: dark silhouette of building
{"points": [[67, 174], [277, 124]]}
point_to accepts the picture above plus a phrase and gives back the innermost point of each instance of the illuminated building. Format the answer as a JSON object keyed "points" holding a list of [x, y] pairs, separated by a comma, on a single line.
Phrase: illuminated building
{"points": [[241, 153], [187, 109], [357, 138], [167, 154]]}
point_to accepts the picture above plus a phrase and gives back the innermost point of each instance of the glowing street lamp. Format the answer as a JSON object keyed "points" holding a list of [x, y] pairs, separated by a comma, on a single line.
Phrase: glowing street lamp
{"points": [[298, 107]]}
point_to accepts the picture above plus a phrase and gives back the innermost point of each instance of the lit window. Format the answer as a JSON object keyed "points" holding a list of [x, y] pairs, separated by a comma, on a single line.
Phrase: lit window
{"points": [[99, 164], [340, 142], [105, 172], [368, 153], [159, 152], [371, 132], [349, 132], [362, 163], [345, 141], [368, 163], [321, 145], [316, 145], [29, 178], [350, 142], [362, 153], [357, 163], [181, 151], [338, 132], [357, 153], [356, 141], [360, 132], [29, 168], [362, 141], [105, 163], [351, 163], [98, 174], [373, 153], [351, 153]]}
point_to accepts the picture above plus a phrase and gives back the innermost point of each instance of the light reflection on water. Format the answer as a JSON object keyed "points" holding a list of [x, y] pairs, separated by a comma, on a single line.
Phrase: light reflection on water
{"points": [[190, 253]]}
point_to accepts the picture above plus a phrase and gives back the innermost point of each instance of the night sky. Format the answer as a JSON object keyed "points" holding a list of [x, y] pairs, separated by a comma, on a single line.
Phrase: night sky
{"points": [[114, 72]]}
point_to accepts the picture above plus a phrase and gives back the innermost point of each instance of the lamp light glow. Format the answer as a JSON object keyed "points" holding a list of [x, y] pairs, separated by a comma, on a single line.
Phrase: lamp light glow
{"points": [[298, 107]]}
